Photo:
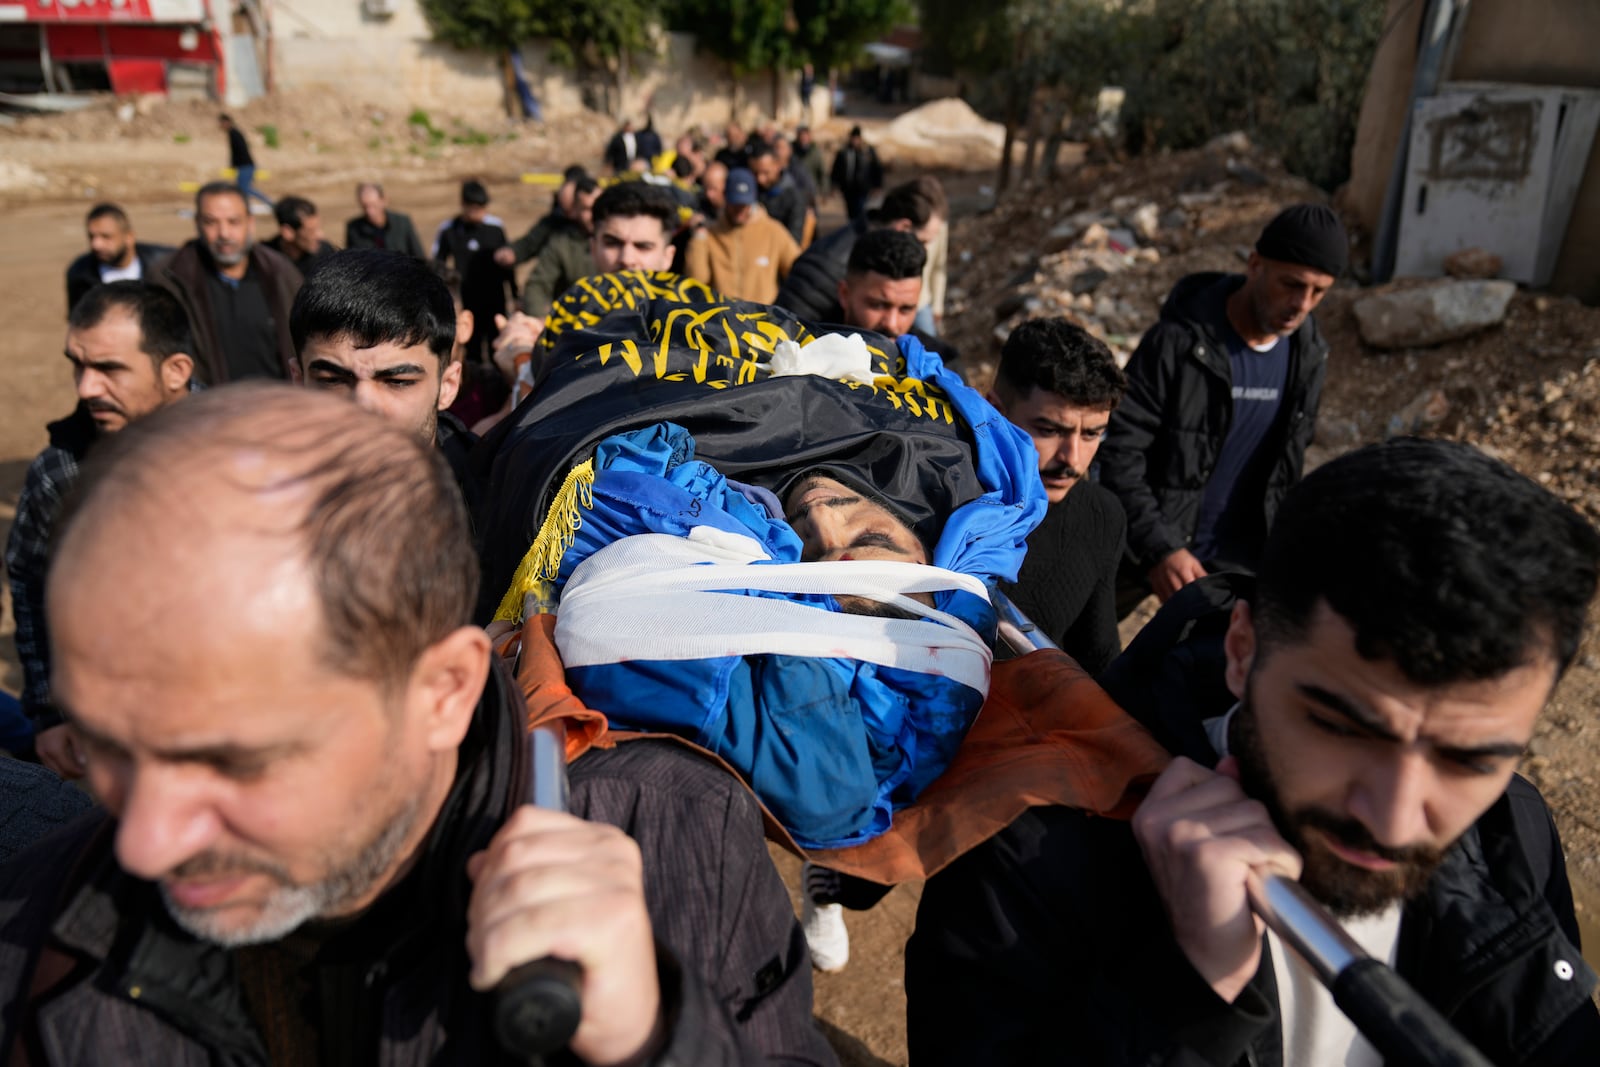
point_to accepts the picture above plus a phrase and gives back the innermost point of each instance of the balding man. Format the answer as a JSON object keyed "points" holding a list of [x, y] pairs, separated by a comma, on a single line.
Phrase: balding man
{"points": [[313, 849], [378, 227]]}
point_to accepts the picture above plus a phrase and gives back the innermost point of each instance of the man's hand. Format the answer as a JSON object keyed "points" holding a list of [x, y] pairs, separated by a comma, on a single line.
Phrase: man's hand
{"points": [[1201, 837], [1175, 572], [551, 884], [60, 749], [513, 337], [505, 256]]}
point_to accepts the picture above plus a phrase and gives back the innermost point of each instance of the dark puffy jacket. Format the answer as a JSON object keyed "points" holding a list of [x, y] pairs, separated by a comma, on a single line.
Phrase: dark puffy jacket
{"points": [[84, 273], [1164, 437], [811, 290], [1051, 935], [116, 982]]}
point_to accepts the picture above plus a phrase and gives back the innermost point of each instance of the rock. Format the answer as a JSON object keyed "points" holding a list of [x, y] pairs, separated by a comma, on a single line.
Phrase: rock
{"points": [[1122, 239], [1472, 263], [1145, 221], [1174, 218], [1237, 142], [1010, 304], [1431, 314], [1096, 236], [1147, 255], [1426, 410], [1087, 281], [1061, 237], [1246, 175]]}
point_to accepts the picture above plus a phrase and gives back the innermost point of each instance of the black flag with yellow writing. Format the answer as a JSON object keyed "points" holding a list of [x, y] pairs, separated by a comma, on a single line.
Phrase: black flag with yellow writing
{"points": [[622, 351]]}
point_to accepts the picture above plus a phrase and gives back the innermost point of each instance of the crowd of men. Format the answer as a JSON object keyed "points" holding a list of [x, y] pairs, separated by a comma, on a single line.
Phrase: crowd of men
{"points": [[245, 616]]}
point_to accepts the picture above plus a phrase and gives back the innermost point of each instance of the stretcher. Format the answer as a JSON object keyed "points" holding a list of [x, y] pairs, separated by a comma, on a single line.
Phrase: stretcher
{"points": [[625, 352]]}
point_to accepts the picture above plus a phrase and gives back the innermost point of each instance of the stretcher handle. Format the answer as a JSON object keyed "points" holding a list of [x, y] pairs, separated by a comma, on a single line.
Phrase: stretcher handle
{"points": [[537, 1005], [1393, 1016]]}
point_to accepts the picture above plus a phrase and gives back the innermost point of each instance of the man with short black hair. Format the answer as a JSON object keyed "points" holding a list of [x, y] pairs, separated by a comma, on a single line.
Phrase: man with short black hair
{"points": [[1059, 385], [383, 329], [299, 237], [378, 227], [811, 289], [467, 244], [316, 846], [235, 292], [633, 227], [1222, 403], [782, 198], [115, 253], [132, 352], [881, 284], [1352, 718]]}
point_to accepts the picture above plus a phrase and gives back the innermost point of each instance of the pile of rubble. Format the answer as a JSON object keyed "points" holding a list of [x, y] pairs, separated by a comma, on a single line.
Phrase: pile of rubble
{"points": [[1104, 245]]}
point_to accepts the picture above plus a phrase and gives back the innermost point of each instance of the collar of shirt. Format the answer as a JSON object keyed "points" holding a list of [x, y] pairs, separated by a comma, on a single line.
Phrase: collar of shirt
{"points": [[1217, 731]]}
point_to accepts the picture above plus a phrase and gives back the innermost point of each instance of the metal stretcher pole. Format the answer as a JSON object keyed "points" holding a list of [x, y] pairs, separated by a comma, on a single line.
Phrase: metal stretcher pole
{"points": [[1394, 1017], [537, 1005]]}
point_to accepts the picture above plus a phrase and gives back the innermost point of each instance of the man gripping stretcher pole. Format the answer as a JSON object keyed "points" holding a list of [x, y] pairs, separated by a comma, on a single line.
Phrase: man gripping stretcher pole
{"points": [[1346, 722]]}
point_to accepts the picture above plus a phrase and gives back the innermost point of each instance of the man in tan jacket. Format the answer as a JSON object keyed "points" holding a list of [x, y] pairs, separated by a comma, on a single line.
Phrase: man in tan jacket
{"points": [[744, 254]]}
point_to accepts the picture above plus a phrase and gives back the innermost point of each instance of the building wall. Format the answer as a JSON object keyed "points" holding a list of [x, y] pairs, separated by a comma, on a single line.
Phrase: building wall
{"points": [[1549, 42], [334, 44]]}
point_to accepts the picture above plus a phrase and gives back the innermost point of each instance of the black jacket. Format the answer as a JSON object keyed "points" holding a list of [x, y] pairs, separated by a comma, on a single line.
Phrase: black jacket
{"points": [[1051, 936], [811, 290], [1068, 581], [787, 203], [1164, 437], [184, 275], [397, 234], [469, 248], [84, 273], [126, 986]]}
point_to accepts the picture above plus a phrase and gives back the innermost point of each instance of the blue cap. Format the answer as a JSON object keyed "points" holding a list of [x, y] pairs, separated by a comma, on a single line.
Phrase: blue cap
{"points": [[741, 188]]}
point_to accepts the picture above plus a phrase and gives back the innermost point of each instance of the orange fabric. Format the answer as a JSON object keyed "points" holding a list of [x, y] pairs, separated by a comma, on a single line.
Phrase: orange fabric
{"points": [[1047, 735]]}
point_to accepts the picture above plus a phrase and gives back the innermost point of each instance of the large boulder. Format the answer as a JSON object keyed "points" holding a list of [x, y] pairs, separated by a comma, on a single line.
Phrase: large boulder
{"points": [[1431, 314]]}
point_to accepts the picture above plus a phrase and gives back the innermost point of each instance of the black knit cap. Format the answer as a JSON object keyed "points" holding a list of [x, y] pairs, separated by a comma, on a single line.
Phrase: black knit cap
{"points": [[1307, 235]]}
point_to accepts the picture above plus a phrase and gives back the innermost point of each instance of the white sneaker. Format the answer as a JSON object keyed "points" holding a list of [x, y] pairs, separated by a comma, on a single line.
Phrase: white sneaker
{"points": [[825, 931]]}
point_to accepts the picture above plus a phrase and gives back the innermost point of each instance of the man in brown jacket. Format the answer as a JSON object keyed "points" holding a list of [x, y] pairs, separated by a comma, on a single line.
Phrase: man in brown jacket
{"points": [[745, 254], [236, 292]]}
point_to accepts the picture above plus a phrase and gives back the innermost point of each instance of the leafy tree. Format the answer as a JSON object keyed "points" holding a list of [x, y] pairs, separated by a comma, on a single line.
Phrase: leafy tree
{"points": [[595, 36], [832, 33], [747, 35]]}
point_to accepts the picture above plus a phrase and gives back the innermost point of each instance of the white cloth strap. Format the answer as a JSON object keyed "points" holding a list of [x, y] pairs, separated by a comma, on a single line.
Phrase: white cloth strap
{"points": [[660, 597]]}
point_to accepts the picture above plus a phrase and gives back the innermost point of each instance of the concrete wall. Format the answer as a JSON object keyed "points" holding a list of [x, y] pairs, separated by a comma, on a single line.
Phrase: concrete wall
{"points": [[334, 44], [1547, 42]]}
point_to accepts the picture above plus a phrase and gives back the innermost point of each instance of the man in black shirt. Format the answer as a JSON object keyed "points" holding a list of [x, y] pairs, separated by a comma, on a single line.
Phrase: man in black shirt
{"points": [[1059, 385], [1222, 402], [242, 162], [467, 245], [300, 235], [236, 293], [378, 227]]}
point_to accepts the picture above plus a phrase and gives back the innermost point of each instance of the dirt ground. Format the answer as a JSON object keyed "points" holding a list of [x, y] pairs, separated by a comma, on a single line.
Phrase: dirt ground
{"points": [[1528, 391]]}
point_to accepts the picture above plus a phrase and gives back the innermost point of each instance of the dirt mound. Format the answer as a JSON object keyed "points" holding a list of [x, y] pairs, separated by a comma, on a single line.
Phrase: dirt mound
{"points": [[939, 132]]}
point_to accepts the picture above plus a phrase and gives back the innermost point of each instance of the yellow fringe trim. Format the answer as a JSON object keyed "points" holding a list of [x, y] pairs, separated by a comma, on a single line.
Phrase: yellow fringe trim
{"points": [[555, 536]]}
